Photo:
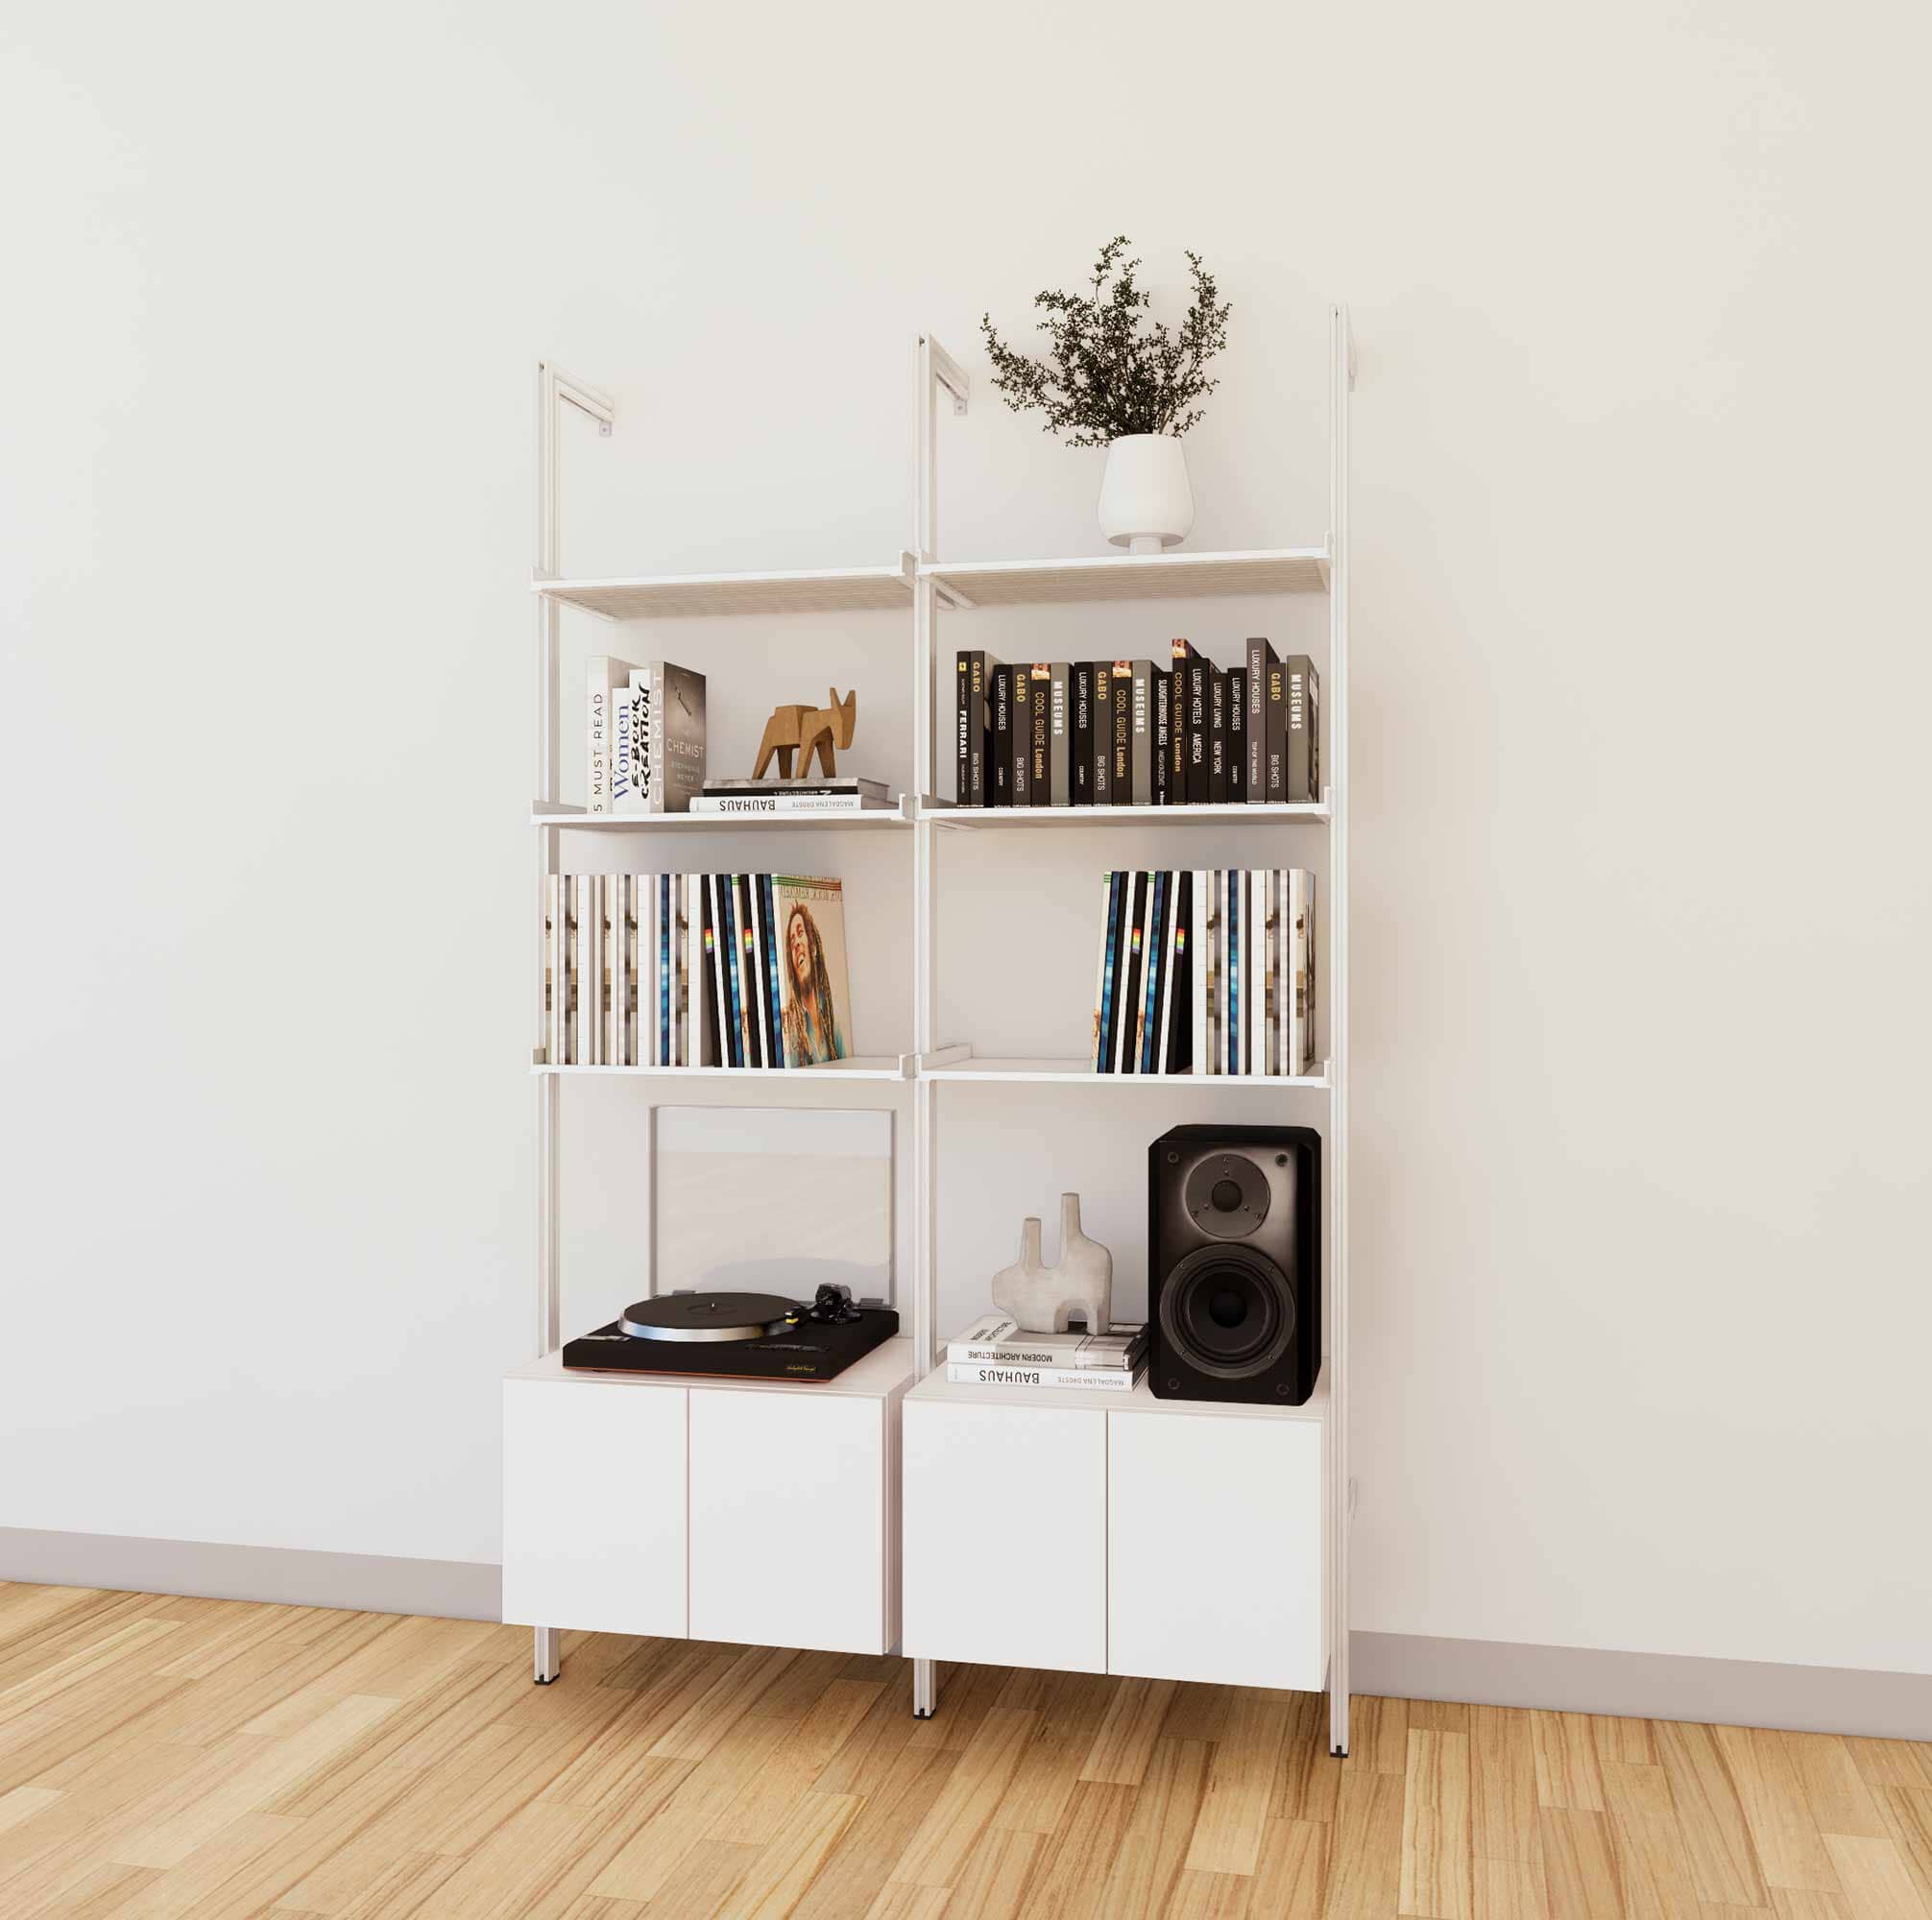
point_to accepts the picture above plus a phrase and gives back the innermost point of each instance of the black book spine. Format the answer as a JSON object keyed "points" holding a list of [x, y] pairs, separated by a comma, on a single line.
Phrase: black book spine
{"points": [[1103, 734], [1304, 773], [1237, 733], [750, 986], [962, 714], [1198, 672], [1164, 734], [1001, 756], [731, 1052], [1020, 742], [1274, 723], [1080, 759], [1110, 950], [1217, 740], [1180, 992], [712, 1054], [1142, 746], [1039, 728], [1260, 657], [1132, 954], [979, 728], [1157, 972], [1060, 739], [1121, 767]]}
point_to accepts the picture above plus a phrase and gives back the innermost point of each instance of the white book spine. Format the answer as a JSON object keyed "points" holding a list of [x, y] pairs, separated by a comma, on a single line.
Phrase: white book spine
{"points": [[1197, 965], [1100, 971], [783, 805], [759, 959], [554, 968], [1254, 906], [613, 970], [722, 1037], [1170, 965], [690, 987], [1084, 1380], [1297, 913], [977, 1354]]}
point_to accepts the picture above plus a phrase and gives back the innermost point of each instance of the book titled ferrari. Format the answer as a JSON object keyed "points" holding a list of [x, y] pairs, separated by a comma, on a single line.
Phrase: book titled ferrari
{"points": [[974, 724]]}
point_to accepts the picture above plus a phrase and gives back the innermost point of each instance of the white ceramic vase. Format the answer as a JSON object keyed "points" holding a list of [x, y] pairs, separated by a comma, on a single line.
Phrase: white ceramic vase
{"points": [[1146, 501], [1042, 1299]]}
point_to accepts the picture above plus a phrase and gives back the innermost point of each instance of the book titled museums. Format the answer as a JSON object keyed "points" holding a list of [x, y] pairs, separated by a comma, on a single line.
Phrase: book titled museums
{"points": [[1182, 732]]}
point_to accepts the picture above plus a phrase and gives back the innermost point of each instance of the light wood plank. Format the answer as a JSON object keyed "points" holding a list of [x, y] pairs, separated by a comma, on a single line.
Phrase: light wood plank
{"points": [[1437, 1877], [1043, 1784], [1364, 1875], [1580, 1869], [1306, 1779], [1378, 1735], [889, 1816], [1511, 1890], [899, 1901], [1211, 1896], [992, 1885], [1653, 1863], [1503, 1786], [1160, 1830], [760, 1812], [1241, 1783], [1724, 1864], [788, 1863], [711, 1718], [24, 1802], [1907, 1815], [1835, 1790], [1892, 1762], [1070, 1879], [1567, 1772], [1873, 1877], [1125, 1743], [951, 1831], [1789, 1904], [1292, 1881], [1790, 1848]]}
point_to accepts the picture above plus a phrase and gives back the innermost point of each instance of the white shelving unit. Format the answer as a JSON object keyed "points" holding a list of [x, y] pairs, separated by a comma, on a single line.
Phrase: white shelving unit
{"points": [[1289, 1465]]}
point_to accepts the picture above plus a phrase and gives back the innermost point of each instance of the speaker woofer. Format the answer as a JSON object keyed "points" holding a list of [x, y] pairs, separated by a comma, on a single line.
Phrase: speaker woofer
{"points": [[1228, 1312]]}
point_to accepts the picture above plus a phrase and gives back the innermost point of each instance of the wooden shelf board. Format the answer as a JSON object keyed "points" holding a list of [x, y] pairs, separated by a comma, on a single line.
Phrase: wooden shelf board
{"points": [[1078, 1072], [1276, 814], [1141, 1400], [663, 596], [1154, 576], [700, 823]]}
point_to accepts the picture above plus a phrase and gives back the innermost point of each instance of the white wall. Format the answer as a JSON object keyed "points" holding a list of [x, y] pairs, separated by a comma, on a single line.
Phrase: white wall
{"points": [[1642, 920]]}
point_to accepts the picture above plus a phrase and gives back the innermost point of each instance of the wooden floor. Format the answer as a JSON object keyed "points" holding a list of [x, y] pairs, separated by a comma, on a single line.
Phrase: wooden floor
{"points": [[216, 1760]]}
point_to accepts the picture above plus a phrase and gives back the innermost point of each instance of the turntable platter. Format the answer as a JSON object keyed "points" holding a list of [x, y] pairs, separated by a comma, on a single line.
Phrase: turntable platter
{"points": [[710, 1316]]}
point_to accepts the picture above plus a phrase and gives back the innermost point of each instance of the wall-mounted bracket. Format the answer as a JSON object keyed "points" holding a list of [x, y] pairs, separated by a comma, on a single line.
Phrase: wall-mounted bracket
{"points": [[948, 372]]}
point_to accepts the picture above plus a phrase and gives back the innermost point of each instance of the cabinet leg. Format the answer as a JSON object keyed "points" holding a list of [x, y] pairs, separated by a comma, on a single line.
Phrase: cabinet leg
{"points": [[549, 1654], [925, 1690]]}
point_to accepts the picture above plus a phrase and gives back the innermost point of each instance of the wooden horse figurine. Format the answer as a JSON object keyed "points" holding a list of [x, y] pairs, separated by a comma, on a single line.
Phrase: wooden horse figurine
{"points": [[803, 730]]}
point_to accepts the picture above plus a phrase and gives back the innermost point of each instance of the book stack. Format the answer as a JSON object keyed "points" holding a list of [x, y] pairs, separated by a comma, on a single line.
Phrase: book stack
{"points": [[694, 969], [646, 742], [1133, 733], [994, 1352], [1208, 972], [787, 798]]}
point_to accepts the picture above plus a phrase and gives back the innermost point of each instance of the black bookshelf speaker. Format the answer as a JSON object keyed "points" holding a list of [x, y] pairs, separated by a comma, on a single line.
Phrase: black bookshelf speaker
{"points": [[1234, 1263]]}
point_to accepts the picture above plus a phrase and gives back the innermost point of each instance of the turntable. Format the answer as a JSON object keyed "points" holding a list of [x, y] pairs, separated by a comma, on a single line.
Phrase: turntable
{"points": [[736, 1337]]}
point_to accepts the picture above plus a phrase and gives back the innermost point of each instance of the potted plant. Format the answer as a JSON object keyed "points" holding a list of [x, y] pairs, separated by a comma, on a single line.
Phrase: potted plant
{"points": [[1112, 378]]}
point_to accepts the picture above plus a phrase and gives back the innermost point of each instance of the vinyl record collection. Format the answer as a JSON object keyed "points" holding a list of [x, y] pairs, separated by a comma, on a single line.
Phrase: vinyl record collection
{"points": [[1133, 733], [1208, 972], [694, 969]]}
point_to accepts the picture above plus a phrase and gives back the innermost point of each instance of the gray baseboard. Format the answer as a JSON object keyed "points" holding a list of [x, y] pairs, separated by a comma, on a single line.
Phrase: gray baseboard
{"points": [[368, 1582], [1644, 1686]]}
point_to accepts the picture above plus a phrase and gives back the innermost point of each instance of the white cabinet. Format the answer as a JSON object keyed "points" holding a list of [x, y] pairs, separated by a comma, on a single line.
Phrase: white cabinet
{"points": [[594, 1504], [1005, 1533], [794, 1503], [763, 1513], [1170, 1540], [1215, 1549]]}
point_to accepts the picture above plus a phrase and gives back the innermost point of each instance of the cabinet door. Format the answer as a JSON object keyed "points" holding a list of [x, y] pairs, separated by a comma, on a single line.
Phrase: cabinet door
{"points": [[1215, 1549], [593, 1506], [1006, 1534], [789, 1519]]}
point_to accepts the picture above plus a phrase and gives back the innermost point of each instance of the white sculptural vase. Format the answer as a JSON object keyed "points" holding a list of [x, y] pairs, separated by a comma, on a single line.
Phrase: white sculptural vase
{"points": [[1041, 1299], [1146, 501]]}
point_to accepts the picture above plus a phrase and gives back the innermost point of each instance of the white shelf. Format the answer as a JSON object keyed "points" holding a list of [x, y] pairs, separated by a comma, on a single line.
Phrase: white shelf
{"points": [[1078, 1074], [574, 818], [1264, 814], [882, 1067], [1150, 576], [1141, 1400], [665, 596]]}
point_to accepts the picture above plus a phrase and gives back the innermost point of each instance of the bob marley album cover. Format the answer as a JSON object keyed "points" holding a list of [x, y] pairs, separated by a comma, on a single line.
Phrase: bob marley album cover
{"points": [[814, 998]]}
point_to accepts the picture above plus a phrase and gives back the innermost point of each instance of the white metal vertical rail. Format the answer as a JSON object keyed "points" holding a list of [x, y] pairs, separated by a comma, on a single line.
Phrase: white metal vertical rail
{"points": [[555, 389], [1341, 1489], [932, 368]]}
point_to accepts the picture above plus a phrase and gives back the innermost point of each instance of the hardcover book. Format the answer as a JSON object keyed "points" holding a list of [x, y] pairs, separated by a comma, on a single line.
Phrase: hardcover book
{"points": [[1141, 732], [667, 708], [1164, 734], [1103, 734], [1059, 737], [1200, 671], [823, 784], [1274, 743], [610, 679], [1237, 733], [1304, 729], [1039, 728], [1080, 756], [1217, 736], [994, 1338], [1132, 959], [1180, 653], [1001, 756], [1103, 982], [1261, 656], [975, 727], [1079, 1379], [751, 954], [1121, 770], [814, 997], [776, 806]]}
